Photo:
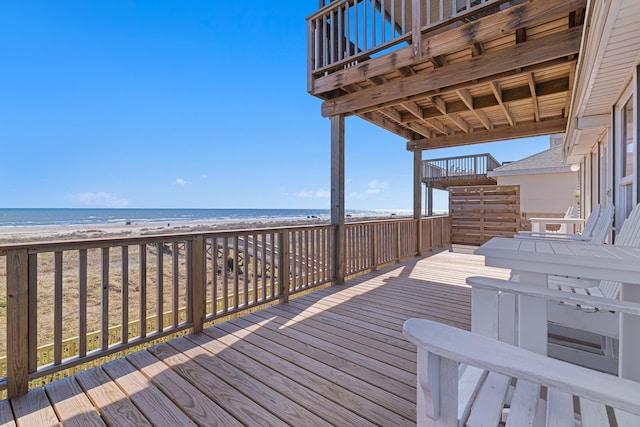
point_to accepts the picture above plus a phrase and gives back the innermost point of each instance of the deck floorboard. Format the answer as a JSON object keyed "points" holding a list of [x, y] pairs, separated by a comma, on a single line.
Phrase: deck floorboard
{"points": [[332, 357]]}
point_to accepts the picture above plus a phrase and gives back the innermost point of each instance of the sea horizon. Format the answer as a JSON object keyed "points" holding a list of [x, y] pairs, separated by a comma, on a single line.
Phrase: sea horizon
{"points": [[35, 217]]}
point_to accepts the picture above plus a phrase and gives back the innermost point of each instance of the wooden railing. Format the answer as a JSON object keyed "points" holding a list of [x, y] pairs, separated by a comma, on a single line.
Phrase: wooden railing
{"points": [[346, 32], [73, 303], [458, 167]]}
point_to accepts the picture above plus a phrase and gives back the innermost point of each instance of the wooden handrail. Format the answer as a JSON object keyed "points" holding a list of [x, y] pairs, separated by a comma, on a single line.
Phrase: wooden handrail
{"points": [[172, 282], [346, 32], [460, 166]]}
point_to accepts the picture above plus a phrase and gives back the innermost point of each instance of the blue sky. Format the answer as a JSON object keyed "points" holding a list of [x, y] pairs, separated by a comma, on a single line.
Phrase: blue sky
{"points": [[182, 104]]}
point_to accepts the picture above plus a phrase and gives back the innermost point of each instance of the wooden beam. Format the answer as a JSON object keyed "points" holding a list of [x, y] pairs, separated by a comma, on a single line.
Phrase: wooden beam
{"points": [[414, 109], [439, 103], [441, 106], [392, 114], [534, 97], [482, 30], [497, 92], [439, 61], [438, 126], [485, 101], [528, 53], [406, 71], [477, 49], [460, 122], [466, 98], [386, 123], [523, 130], [421, 129]]}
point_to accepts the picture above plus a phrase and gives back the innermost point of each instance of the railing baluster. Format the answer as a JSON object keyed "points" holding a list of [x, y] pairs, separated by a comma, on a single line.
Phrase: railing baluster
{"points": [[82, 303], [356, 25], [159, 287], [252, 284], [104, 298], [236, 273], [214, 279], [263, 265], [143, 290], [225, 274], [124, 295], [175, 279], [382, 21], [274, 251], [245, 271], [57, 308]]}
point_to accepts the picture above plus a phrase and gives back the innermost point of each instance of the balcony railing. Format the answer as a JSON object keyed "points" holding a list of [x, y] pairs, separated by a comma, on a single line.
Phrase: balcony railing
{"points": [[74, 302], [462, 167], [346, 32]]}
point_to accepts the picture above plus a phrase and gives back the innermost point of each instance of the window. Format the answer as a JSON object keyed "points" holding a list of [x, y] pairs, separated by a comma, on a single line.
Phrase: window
{"points": [[627, 138]]}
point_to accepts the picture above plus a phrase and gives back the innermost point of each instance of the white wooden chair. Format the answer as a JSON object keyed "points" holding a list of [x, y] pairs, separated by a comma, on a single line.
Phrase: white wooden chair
{"points": [[474, 380], [596, 327], [596, 228]]}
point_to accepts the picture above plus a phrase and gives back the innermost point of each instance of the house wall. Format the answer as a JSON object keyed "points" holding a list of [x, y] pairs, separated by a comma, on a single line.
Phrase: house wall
{"points": [[545, 194]]}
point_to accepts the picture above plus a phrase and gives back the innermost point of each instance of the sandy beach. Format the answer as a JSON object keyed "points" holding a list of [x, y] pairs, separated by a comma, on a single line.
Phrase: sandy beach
{"points": [[93, 231]]}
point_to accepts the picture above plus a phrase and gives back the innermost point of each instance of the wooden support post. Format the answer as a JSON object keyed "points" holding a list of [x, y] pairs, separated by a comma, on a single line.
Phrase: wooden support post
{"points": [[416, 25], [374, 247], [429, 200], [197, 282], [283, 264], [417, 197], [17, 322], [337, 194]]}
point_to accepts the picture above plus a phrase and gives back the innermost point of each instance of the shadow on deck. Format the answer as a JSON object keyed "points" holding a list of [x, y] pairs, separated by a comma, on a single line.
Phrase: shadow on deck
{"points": [[332, 357]]}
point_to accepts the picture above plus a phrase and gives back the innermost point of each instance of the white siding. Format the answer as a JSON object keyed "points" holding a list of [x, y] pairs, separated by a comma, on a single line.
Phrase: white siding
{"points": [[549, 193]]}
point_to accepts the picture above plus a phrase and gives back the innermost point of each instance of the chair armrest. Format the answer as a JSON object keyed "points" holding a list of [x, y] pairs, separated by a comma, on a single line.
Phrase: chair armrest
{"points": [[495, 356], [543, 235], [528, 289]]}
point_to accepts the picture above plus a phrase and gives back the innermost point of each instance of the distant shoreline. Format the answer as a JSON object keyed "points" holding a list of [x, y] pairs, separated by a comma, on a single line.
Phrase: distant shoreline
{"points": [[41, 233]]}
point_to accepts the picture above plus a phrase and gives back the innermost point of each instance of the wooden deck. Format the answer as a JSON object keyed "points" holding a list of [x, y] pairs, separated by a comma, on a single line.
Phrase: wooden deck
{"points": [[333, 357]]}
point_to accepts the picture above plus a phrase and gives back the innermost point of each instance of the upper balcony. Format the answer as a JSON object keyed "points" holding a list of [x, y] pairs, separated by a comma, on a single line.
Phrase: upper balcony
{"points": [[444, 73], [461, 170]]}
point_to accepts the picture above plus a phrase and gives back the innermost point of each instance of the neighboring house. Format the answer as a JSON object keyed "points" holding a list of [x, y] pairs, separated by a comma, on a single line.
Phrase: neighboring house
{"points": [[602, 133], [547, 186]]}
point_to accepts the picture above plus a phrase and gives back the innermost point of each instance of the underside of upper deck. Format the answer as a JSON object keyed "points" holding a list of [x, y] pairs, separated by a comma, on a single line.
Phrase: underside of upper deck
{"points": [[332, 357], [447, 73]]}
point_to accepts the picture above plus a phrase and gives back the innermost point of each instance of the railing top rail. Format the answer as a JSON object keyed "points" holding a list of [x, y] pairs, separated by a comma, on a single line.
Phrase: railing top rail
{"points": [[104, 242], [487, 155], [327, 8]]}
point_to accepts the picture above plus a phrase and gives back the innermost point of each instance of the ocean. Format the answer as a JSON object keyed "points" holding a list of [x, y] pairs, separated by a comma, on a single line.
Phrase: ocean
{"points": [[33, 217]]}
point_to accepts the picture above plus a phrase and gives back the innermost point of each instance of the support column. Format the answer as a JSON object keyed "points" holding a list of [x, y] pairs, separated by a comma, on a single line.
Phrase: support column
{"points": [[417, 184], [337, 194], [429, 200], [417, 197]]}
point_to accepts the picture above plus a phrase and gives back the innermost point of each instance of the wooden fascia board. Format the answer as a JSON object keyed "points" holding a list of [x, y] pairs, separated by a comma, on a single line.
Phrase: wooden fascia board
{"points": [[524, 130], [479, 31], [518, 56]]}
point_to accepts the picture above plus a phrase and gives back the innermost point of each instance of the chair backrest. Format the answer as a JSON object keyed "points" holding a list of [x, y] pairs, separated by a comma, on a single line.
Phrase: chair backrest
{"points": [[587, 230], [569, 212], [629, 235], [603, 225]]}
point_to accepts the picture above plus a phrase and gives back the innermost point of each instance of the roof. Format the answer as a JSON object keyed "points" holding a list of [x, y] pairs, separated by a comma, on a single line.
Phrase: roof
{"points": [[548, 161]]}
